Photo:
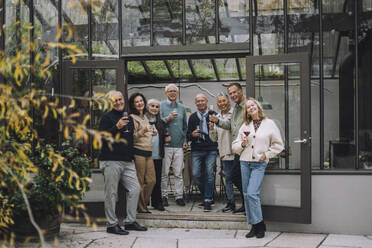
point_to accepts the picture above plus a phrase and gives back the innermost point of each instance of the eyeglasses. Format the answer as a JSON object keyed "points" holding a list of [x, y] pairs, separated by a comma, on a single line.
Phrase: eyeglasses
{"points": [[172, 91], [154, 106]]}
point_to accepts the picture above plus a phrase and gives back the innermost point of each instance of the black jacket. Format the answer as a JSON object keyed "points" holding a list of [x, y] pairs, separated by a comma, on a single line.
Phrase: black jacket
{"points": [[204, 145], [161, 127], [120, 151]]}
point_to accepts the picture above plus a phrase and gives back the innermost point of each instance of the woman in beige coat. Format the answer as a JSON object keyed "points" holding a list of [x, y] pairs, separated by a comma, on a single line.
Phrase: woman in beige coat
{"points": [[142, 147]]}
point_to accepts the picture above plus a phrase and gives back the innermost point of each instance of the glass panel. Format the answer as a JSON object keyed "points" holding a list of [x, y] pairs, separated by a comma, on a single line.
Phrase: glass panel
{"points": [[234, 21], [269, 36], [243, 65], [204, 69], [365, 88], [339, 146], [159, 70], [168, 22], [75, 19], [105, 28], [17, 27], [270, 93], [281, 190], [136, 23], [45, 31], [80, 90], [136, 72], [181, 69], [304, 37], [103, 81], [200, 22], [367, 5], [227, 68]]}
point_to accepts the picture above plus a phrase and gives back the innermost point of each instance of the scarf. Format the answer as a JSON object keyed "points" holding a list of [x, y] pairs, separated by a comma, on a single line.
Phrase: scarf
{"points": [[203, 124]]}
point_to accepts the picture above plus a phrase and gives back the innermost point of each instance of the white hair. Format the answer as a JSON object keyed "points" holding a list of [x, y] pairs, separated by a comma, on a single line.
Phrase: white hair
{"points": [[153, 100], [170, 85]]}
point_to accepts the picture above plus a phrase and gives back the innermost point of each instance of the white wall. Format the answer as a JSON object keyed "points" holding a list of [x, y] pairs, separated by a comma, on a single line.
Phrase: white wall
{"points": [[340, 204]]}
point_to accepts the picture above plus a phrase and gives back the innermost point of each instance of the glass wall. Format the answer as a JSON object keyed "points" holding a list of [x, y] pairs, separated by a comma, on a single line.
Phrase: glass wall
{"points": [[167, 22], [105, 28], [234, 21], [339, 45], [365, 85], [136, 22], [339, 81]]}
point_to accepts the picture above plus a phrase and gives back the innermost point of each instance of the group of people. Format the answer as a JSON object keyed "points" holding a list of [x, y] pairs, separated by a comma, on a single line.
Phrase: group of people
{"points": [[156, 134]]}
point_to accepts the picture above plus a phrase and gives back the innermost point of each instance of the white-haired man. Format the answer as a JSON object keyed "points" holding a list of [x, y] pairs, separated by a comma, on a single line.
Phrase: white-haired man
{"points": [[118, 166], [174, 114]]}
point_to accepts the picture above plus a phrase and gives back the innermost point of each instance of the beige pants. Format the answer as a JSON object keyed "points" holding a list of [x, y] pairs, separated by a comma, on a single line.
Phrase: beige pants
{"points": [[146, 178]]}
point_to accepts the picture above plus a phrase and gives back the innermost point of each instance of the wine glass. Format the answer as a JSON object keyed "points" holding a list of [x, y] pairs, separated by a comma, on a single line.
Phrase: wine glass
{"points": [[198, 138], [211, 111], [152, 123], [246, 132], [125, 115]]}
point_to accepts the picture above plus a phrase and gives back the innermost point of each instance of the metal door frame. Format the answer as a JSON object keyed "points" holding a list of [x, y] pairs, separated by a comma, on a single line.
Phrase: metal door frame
{"points": [[300, 214]]}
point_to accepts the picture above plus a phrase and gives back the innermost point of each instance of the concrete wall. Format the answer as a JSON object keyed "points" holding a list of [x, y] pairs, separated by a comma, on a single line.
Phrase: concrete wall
{"points": [[340, 204]]}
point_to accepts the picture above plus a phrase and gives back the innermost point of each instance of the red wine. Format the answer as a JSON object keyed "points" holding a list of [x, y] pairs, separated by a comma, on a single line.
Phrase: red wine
{"points": [[246, 133]]}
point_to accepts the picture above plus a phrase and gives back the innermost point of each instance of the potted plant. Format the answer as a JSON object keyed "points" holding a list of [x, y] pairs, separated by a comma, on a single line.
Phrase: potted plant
{"points": [[49, 191]]}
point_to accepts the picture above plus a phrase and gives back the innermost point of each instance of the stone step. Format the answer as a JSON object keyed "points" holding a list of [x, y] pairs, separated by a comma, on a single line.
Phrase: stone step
{"points": [[189, 216]]}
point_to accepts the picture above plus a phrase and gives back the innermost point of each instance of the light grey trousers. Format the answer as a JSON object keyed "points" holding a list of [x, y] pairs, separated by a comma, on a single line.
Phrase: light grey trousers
{"points": [[124, 172], [172, 157]]}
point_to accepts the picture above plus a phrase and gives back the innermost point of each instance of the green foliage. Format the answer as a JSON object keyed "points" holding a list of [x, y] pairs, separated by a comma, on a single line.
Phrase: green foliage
{"points": [[47, 192]]}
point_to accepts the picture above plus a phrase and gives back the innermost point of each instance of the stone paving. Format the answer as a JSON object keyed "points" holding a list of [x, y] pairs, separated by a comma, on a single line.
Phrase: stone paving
{"points": [[80, 236]]}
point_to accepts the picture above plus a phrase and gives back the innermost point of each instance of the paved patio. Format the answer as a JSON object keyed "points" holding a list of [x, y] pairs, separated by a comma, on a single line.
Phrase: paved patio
{"points": [[80, 236]]}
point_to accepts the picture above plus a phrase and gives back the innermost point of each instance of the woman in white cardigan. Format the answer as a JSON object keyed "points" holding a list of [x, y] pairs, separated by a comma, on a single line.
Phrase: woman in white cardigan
{"points": [[258, 140]]}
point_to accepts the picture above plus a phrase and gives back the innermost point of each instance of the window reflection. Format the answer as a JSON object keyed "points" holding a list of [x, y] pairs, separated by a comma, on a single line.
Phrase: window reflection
{"points": [[136, 23], [234, 21], [168, 22], [200, 21]]}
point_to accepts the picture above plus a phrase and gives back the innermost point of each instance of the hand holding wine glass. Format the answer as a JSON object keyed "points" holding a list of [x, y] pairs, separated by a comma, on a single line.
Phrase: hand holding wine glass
{"points": [[125, 121]]}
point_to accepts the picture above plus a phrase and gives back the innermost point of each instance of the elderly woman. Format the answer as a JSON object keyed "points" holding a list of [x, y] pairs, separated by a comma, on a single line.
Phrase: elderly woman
{"points": [[258, 140], [153, 114], [223, 137], [142, 148]]}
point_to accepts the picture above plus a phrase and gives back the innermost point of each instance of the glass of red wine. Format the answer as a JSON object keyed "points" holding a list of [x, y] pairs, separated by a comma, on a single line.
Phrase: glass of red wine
{"points": [[125, 115], [246, 132]]}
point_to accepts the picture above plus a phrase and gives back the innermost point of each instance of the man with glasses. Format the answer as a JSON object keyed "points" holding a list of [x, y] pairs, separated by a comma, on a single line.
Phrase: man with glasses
{"points": [[174, 115], [116, 160], [235, 92]]}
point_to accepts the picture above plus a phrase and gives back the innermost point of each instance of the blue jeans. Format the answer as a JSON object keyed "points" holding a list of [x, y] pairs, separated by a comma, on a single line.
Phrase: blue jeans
{"points": [[227, 166], [252, 176], [208, 158]]}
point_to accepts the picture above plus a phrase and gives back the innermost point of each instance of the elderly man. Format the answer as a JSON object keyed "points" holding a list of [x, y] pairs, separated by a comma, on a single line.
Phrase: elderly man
{"points": [[235, 92], [118, 166], [174, 115], [203, 150]]}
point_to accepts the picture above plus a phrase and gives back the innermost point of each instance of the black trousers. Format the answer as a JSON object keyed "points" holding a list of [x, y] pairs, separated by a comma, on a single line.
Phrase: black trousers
{"points": [[236, 175], [156, 192]]}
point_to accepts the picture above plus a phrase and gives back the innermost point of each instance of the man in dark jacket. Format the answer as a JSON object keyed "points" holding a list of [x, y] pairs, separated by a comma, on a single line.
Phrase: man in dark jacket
{"points": [[203, 150], [116, 160]]}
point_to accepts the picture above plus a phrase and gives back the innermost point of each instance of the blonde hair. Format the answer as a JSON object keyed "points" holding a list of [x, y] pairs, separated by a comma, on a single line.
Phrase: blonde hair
{"points": [[247, 119]]}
